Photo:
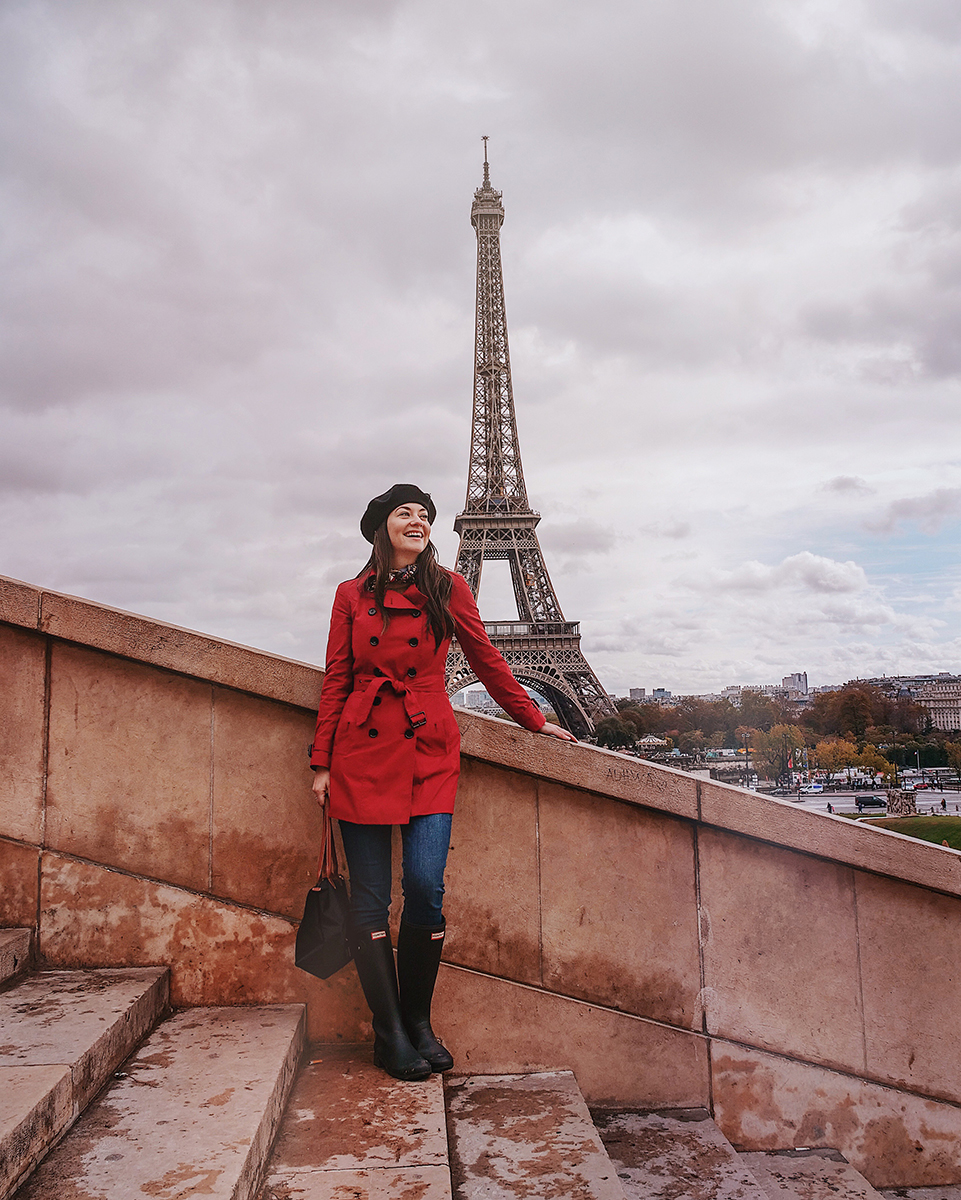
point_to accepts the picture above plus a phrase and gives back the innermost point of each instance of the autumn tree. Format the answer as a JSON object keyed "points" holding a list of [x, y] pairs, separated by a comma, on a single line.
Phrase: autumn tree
{"points": [[835, 754], [775, 749], [615, 733]]}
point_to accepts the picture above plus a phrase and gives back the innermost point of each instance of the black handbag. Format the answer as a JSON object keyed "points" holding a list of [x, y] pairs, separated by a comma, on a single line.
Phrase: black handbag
{"points": [[322, 947]]}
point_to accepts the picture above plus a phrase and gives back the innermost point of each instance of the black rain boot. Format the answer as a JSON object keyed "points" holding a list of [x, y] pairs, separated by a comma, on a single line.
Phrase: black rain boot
{"points": [[419, 948], [393, 1051]]}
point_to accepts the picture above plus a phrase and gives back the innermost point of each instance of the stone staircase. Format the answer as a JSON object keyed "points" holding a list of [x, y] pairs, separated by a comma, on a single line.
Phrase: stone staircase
{"points": [[194, 1098], [107, 1096]]}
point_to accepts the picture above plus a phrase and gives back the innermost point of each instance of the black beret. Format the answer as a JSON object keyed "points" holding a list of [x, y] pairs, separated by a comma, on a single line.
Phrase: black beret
{"points": [[381, 507]]}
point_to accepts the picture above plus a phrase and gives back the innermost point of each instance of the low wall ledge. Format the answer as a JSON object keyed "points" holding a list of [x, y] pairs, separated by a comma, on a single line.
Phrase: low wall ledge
{"points": [[159, 644], [729, 809]]}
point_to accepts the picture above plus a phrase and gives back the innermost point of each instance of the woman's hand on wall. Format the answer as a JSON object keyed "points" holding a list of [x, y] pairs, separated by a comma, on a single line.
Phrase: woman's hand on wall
{"points": [[321, 786], [554, 731]]}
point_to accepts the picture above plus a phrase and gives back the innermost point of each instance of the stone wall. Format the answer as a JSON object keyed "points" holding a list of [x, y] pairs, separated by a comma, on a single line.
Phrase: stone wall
{"points": [[675, 941]]}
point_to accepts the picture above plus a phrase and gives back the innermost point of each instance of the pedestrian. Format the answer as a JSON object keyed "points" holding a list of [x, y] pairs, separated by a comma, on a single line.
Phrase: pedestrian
{"points": [[386, 752]]}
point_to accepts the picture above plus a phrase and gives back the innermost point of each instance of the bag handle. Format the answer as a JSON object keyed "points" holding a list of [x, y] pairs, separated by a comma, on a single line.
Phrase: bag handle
{"points": [[327, 868]]}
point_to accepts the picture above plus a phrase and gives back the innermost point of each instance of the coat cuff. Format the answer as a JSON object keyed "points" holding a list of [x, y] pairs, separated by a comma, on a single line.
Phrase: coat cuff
{"points": [[319, 758]]}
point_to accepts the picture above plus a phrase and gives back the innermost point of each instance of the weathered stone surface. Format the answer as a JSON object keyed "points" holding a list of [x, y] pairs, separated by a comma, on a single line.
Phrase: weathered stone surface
{"points": [[19, 603], [493, 1027], [659, 1157], [22, 675], [580, 766], [870, 848], [18, 895], [526, 1135], [260, 769], [632, 943], [346, 1115], [809, 1175], [87, 1020], [129, 766], [938, 1193], [218, 953], [911, 977], [383, 1183], [771, 919], [36, 1105], [182, 650], [194, 1112], [14, 951], [492, 875], [895, 1139]]}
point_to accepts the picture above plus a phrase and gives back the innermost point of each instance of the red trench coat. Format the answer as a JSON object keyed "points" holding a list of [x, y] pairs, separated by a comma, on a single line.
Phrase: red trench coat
{"points": [[385, 727]]}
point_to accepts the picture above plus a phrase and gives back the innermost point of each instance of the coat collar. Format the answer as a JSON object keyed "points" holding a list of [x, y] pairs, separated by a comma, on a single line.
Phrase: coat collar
{"points": [[410, 597]]}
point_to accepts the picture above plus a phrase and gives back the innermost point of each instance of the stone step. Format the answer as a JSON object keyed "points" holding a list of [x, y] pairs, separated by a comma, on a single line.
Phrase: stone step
{"points": [[193, 1113], [14, 952], [946, 1192], [808, 1175], [681, 1156], [526, 1135], [62, 1034], [353, 1133]]}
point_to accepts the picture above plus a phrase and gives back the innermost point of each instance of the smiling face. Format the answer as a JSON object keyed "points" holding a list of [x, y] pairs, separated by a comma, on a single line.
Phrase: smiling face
{"points": [[409, 531]]}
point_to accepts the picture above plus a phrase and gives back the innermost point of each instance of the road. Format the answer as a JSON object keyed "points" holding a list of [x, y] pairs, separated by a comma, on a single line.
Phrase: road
{"points": [[845, 801]]}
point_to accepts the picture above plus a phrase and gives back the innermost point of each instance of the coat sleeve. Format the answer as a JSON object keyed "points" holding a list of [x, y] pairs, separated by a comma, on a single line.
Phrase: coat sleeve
{"points": [[338, 675], [487, 661]]}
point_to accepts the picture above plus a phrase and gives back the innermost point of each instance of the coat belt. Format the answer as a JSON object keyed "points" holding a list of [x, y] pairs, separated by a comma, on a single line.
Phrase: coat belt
{"points": [[371, 685]]}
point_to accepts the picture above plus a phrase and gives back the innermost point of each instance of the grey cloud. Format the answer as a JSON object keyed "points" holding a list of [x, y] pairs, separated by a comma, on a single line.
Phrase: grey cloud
{"points": [[928, 512], [848, 485]]}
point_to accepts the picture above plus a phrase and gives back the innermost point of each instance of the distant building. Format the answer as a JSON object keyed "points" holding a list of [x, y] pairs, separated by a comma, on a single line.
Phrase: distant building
{"points": [[939, 694], [638, 694], [661, 694], [798, 682]]}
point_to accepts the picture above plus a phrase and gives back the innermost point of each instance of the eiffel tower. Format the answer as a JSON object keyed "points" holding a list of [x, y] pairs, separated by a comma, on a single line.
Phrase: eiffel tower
{"points": [[541, 648]]}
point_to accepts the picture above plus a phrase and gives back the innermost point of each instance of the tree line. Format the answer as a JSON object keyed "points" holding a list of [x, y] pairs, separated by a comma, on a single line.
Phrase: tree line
{"points": [[857, 726]]}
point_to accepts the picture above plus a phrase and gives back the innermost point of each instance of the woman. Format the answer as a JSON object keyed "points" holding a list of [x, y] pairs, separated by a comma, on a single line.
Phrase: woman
{"points": [[387, 752]]}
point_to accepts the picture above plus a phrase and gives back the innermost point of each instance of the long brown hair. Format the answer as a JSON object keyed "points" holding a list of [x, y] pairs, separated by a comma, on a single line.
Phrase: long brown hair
{"points": [[430, 578]]}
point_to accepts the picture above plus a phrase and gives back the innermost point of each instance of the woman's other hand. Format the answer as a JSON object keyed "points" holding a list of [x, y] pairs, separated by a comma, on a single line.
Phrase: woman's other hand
{"points": [[321, 786], [556, 731]]}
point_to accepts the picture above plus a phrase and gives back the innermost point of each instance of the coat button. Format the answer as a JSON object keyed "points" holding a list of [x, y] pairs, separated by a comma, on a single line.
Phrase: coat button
{"points": [[371, 732], [378, 671], [415, 612], [412, 642], [411, 672], [374, 641], [372, 612], [408, 733], [377, 699]]}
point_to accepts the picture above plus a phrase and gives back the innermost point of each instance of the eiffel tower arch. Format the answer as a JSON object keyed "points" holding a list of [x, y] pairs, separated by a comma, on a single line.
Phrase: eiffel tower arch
{"points": [[542, 649]]}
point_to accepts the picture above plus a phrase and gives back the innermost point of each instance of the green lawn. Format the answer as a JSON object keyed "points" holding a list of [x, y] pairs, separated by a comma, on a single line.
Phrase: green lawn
{"points": [[928, 829]]}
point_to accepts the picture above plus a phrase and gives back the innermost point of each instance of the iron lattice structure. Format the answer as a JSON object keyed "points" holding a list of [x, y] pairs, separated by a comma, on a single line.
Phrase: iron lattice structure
{"points": [[541, 648]]}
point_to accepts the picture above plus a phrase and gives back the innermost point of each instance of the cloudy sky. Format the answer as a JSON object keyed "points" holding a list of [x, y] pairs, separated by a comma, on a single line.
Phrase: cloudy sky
{"points": [[237, 301]]}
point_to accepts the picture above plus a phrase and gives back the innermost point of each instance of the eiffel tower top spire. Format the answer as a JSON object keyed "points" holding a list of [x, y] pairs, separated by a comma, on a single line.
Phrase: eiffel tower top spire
{"points": [[495, 479]]}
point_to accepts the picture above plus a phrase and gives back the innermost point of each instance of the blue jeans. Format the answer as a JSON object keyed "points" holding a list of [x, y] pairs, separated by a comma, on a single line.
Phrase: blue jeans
{"points": [[426, 841]]}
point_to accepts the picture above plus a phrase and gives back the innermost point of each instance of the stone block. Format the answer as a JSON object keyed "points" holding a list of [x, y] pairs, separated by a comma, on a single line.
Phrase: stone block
{"points": [[526, 1135], [129, 766], [619, 905], [194, 1112], [22, 685], [217, 953], [660, 1157], [19, 871], [779, 822], [894, 1138], [345, 1114], [587, 767], [495, 1027], [14, 952], [780, 950], [266, 822], [181, 650], [813, 1175], [491, 900], [36, 1106], [910, 975], [19, 603], [86, 1020]]}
